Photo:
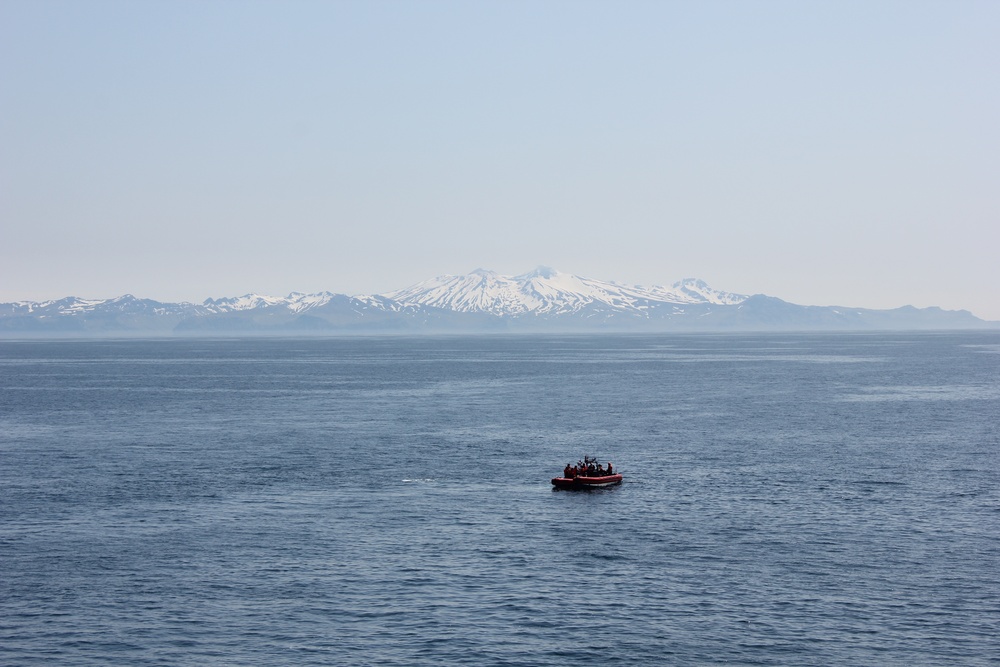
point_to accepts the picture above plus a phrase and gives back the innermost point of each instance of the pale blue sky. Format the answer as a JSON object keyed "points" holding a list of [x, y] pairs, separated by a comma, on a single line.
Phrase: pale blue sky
{"points": [[829, 153]]}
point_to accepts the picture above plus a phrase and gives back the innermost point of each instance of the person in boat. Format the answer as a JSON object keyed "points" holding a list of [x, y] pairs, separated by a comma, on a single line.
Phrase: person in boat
{"points": [[589, 467]]}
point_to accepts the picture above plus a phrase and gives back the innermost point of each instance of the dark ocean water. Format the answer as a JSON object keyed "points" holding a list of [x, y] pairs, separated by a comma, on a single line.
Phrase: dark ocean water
{"points": [[788, 500]]}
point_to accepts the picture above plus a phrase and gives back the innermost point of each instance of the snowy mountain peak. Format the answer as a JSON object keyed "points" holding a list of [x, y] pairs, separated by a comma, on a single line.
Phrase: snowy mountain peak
{"points": [[245, 302], [546, 291], [699, 289], [540, 272], [295, 302]]}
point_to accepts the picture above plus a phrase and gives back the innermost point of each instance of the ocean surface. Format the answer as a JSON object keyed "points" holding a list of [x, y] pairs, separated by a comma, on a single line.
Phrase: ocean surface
{"points": [[788, 500]]}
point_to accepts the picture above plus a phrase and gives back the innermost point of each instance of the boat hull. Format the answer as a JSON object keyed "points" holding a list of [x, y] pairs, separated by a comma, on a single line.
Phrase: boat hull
{"points": [[584, 483]]}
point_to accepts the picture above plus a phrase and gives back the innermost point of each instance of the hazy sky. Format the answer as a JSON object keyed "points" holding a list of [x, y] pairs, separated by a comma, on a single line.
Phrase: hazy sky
{"points": [[828, 153]]}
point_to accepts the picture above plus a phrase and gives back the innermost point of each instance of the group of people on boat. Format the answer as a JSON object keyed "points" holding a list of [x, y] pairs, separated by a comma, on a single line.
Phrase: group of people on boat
{"points": [[588, 467]]}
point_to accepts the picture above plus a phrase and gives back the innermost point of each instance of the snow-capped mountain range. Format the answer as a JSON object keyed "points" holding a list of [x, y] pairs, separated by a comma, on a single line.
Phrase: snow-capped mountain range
{"points": [[543, 299]]}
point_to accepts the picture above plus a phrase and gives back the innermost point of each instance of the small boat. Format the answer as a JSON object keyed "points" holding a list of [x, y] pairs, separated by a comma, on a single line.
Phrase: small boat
{"points": [[587, 474], [583, 483]]}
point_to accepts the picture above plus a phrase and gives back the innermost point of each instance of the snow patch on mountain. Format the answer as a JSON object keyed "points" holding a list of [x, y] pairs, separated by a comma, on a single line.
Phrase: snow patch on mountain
{"points": [[245, 302], [299, 303], [698, 291], [73, 306]]}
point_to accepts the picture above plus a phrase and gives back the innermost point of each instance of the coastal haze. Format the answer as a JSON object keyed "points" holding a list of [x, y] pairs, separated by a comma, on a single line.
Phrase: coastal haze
{"points": [[822, 153]]}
